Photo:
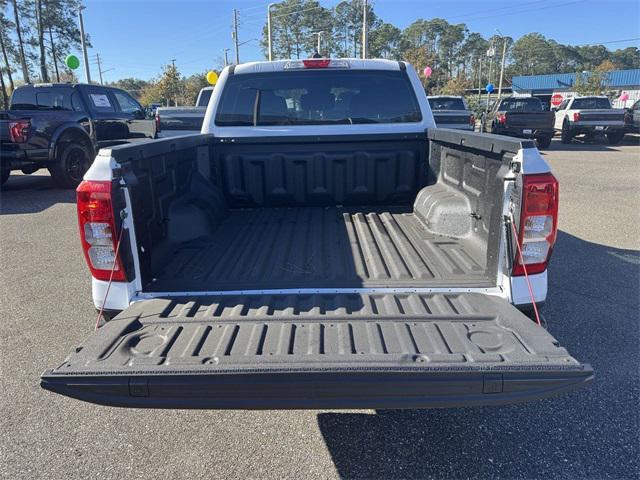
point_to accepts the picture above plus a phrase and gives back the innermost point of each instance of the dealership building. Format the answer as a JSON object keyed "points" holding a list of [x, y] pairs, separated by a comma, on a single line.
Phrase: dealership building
{"points": [[552, 89]]}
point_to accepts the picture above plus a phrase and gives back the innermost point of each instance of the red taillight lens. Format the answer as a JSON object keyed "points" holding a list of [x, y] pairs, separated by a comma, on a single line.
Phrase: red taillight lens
{"points": [[157, 122], [97, 230], [502, 119], [316, 63], [472, 120], [576, 116], [538, 222], [19, 130]]}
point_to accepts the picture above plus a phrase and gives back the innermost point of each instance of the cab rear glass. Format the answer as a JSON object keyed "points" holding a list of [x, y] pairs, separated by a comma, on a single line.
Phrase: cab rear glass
{"points": [[521, 105], [317, 97], [593, 103], [446, 103]]}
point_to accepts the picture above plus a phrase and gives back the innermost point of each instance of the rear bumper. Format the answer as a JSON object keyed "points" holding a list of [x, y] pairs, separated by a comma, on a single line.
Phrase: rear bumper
{"points": [[433, 387], [522, 132], [578, 129], [17, 158]]}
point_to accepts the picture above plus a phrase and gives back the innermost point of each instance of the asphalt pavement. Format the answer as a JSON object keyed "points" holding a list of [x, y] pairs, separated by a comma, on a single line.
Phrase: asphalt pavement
{"points": [[592, 309]]}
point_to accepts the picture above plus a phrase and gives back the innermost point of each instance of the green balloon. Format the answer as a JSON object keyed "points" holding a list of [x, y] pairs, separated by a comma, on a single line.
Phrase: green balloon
{"points": [[72, 62]]}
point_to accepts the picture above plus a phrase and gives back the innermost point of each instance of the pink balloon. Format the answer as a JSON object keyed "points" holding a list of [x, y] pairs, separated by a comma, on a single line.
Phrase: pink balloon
{"points": [[624, 97], [427, 72]]}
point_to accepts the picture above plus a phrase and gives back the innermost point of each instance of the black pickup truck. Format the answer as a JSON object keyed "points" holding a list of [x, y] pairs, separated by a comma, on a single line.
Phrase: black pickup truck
{"points": [[61, 127], [522, 117]]}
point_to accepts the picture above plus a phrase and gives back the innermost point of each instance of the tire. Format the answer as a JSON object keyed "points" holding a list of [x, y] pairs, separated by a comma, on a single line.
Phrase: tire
{"points": [[71, 164], [543, 142], [614, 138], [566, 136], [4, 176]]}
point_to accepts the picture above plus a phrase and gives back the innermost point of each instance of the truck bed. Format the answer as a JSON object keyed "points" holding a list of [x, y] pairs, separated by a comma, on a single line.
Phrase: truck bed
{"points": [[322, 247]]}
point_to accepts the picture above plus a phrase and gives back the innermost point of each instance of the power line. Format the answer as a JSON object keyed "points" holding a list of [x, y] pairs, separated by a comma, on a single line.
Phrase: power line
{"points": [[493, 10], [558, 5], [297, 11]]}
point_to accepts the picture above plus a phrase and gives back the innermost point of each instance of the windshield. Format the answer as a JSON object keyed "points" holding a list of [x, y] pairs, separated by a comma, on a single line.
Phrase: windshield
{"points": [[591, 103], [446, 103], [520, 105], [203, 100], [316, 97]]}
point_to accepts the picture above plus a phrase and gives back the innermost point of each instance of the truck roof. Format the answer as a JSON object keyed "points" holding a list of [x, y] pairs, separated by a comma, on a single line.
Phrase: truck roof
{"points": [[280, 65]]}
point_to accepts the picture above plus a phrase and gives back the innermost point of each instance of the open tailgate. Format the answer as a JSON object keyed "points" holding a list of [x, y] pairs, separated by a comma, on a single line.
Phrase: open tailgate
{"points": [[318, 351]]}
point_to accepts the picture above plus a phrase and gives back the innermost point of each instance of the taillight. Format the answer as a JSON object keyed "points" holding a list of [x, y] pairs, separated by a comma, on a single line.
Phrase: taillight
{"points": [[502, 119], [19, 130], [157, 122], [576, 116], [538, 222], [316, 63], [97, 230], [472, 120]]}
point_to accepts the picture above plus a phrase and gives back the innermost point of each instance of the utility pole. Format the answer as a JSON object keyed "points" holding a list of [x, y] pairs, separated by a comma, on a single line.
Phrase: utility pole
{"points": [[479, 77], [504, 54], [490, 53], [226, 59], [269, 38], [235, 35], [364, 30], [87, 74], [99, 68]]}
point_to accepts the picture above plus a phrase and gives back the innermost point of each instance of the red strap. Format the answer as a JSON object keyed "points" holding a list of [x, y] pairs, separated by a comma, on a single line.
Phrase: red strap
{"points": [[526, 275], [113, 269]]}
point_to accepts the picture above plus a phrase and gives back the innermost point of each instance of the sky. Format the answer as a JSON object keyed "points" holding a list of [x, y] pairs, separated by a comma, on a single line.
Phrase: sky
{"points": [[135, 38]]}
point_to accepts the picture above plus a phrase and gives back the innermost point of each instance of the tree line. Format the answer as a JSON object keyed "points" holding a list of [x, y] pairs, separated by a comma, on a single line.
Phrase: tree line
{"points": [[35, 37], [457, 55]]}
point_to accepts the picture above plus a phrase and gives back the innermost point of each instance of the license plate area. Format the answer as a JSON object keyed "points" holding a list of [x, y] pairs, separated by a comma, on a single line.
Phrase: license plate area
{"points": [[527, 131], [599, 127]]}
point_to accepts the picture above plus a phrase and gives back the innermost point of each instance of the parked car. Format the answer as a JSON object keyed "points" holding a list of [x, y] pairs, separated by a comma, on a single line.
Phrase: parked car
{"points": [[522, 117], [451, 112], [632, 118], [321, 245], [61, 127], [173, 121], [590, 116]]}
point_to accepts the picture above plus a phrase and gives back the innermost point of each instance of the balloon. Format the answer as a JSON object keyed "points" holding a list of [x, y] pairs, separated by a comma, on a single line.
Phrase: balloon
{"points": [[72, 62], [489, 87], [624, 97], [212, 77], [427, 72]]}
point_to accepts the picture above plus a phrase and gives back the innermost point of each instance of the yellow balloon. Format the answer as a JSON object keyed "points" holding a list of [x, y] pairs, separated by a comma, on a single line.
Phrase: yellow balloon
{"points": [[212, 77]]}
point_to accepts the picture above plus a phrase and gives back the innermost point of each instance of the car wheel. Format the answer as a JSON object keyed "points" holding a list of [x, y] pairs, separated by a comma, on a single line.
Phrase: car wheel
{"points": [[566, 135], [543, 142], [614, 138], [72, 163], [4, 176]]}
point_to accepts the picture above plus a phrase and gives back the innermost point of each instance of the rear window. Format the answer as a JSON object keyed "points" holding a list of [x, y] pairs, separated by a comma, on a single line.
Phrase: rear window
{"points": [[593, 103], [205, 96], [521, 105], [317, 97], [41, 99], [447, 103]]}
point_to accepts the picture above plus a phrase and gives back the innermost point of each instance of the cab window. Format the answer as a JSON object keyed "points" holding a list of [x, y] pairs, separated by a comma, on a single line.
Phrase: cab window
{"points": [[126, 103], [100, 100]]}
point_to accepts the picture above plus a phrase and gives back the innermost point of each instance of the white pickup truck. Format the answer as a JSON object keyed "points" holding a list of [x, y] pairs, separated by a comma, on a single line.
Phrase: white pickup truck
{"points": [[319, 245], [590, 116]]}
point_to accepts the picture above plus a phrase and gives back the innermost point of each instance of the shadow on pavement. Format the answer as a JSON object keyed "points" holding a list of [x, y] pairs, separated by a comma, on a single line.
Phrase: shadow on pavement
{"points": [[31, 194], [592, 309]]}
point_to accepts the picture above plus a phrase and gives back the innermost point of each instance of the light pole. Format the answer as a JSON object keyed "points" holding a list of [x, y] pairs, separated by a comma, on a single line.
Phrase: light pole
{"points": [[235, 35], [365, 34], [490, 53], [226, 59], [87, 74], [504, 54], [269, 39]]}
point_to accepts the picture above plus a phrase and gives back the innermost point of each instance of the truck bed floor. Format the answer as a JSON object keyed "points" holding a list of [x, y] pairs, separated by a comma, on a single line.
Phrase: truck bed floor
{"points": [[275, 248]]}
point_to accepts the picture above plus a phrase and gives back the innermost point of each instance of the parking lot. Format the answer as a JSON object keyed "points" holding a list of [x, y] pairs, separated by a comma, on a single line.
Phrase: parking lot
{"points": [[592, 308]]}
